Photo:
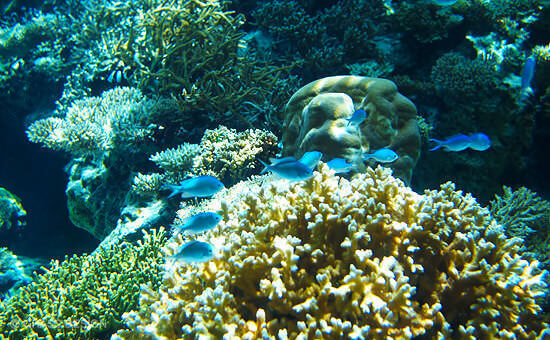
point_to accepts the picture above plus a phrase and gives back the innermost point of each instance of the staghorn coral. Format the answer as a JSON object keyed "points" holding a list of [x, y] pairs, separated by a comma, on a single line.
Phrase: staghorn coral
{"points": [[331, 258], [181, 48], [188, 49], [83, 297]]}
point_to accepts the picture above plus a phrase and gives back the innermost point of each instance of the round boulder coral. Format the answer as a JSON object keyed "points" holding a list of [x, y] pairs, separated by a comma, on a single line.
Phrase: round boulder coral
{"points": [[316, 118]]}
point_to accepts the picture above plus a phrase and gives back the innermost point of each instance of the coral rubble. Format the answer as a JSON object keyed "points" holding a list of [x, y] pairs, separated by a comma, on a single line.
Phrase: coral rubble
{"points": [[331, 258]]}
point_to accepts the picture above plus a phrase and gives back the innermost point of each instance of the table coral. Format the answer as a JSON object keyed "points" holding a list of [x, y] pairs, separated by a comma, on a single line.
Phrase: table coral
{"points": [[331, 258], [316, 119], [117, 120]]}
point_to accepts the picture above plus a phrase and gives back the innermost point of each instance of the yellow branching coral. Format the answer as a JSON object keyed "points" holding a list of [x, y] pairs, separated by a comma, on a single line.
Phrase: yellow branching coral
{"points": [[331, 258]]}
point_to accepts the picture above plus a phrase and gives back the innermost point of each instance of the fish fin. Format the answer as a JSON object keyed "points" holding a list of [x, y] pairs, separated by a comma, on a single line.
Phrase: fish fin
{"points": [[173, 188], [265, 165], [439, 144], [275, 161]]}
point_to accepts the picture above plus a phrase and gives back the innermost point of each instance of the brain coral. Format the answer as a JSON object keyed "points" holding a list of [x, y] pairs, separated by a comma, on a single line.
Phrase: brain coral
{"points": [[315, 119], [331, 258]]}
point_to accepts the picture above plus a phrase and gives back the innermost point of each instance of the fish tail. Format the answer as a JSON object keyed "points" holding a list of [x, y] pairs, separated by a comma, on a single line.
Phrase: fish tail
{"points": [[173, 188], [439, 144], [265, 165]]}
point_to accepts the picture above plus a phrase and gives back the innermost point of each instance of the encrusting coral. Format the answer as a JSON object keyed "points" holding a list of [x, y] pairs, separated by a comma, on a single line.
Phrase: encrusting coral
{"points": [[331, 258], [83, 297]]}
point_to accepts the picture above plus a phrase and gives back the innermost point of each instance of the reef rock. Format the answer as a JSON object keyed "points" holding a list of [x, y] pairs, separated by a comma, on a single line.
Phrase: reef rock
{"points": [[315, 118]]}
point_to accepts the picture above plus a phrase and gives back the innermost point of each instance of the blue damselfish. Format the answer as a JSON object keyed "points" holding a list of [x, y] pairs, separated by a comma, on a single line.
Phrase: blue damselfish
{"points": [[201, 186]]}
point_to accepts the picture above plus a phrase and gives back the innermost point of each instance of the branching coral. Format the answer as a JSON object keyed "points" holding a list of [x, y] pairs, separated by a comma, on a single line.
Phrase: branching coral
{"points": [[83, 297], [117, 120], [460, 79], [184, 48], [426, 22], [322, 37], [232, 156], [223, 153], [189, 49], [332, 258], [525, 214]]}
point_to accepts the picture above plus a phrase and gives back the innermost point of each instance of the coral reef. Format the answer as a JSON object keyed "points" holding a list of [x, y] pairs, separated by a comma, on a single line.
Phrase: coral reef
{"points": [[459, 79], [189, 48], [331, 258], [12, 212], [118, 119], [316, 119], [471, 96], [425, 22], [15, 271], [118, 127], [83, 297], [526, 215], [322, 36], [185, 49], [224, 153]]}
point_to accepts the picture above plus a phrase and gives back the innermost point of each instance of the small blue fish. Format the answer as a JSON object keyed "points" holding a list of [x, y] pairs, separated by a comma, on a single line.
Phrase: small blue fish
{"points": [[357, 118], [199, 223], [201, 186], [291, 170], [460, 142], [340, 165], [443, 2], [275, 161], [311, 159], [194, 251], [527, 77], [480, 142], [383, 155], [455, 143]]}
